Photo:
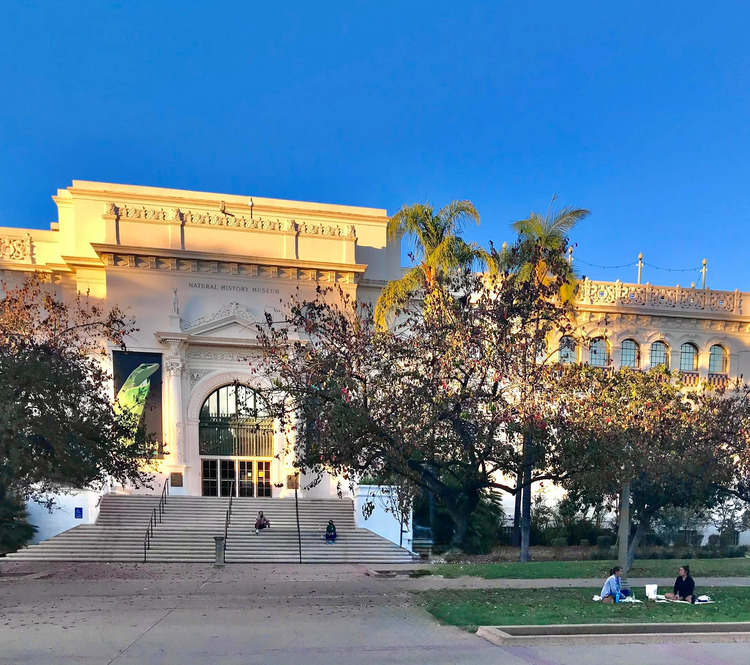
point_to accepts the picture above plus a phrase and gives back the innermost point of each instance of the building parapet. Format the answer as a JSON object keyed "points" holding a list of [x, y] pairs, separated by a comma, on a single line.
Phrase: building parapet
{"points": [[648, 296]]}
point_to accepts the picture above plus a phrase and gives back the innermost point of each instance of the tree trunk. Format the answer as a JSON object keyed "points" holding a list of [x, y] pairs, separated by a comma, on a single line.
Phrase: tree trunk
{"points": [[526, 502], [517, 509], [624, 532], [640, 530], [461, 517]]}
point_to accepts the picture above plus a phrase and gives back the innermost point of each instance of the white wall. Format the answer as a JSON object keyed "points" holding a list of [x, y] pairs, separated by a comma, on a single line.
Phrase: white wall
{"points": [[62, 517], [380, 522]]}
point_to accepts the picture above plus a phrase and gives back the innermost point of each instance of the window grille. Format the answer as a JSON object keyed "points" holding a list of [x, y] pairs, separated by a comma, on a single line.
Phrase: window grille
{"points": [[630, 354], [567, 350], [718, 360], [599, 353], [659, 354], [688, 358], [233, 422]]}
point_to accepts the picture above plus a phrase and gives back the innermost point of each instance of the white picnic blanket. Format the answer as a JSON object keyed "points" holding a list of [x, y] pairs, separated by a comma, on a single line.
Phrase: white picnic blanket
{"points": [[700, 600], [628, 599]]}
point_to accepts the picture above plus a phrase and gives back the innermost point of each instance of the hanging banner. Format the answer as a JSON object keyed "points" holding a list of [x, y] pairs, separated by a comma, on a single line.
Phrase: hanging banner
{"points": [[137, 378]]}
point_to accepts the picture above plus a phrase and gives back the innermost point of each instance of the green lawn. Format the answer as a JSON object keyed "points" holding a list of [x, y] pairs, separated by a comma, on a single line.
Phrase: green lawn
{"points": [[513, 607], [699, 568]]}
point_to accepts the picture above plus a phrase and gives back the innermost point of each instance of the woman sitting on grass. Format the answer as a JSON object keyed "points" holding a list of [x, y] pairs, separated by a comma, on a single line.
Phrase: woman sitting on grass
{"points": [[684, 587], [611, 589]]}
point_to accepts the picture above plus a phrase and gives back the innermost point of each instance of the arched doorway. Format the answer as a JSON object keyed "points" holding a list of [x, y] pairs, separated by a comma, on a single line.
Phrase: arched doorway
{"points": [[235, 442]]}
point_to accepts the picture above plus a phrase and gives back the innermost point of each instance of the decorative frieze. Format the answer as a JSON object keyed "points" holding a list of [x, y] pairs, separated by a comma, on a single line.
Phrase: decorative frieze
{"points": [[227, 220], [223, 356], [14, 248], [228, 268]]}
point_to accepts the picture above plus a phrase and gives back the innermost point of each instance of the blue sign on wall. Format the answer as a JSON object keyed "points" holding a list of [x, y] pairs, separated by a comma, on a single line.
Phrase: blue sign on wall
{"points": [[79, 513]]}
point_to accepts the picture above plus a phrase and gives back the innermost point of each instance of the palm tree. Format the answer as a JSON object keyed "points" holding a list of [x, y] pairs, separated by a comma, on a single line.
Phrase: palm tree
{"points": [[549, 236], [546, 238], [438, 249]]}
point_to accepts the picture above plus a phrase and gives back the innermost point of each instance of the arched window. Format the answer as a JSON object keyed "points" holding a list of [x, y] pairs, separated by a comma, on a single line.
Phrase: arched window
{"points": [[718, 360], [233, 422], [659, 354], [567, 352], [688, 357], [599, 353], [630, 354]]}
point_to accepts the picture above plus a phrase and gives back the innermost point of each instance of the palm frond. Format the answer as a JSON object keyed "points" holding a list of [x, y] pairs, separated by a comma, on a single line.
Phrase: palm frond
{"points": [[457, 213], [565, 219], [397, 293]]}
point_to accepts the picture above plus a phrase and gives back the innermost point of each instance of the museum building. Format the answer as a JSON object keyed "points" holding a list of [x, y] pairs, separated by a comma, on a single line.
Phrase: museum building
{"points": [[197, 270]]}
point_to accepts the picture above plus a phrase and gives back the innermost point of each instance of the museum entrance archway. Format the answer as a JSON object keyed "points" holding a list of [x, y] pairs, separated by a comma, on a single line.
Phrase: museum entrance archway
{"points": [[235, 442]]}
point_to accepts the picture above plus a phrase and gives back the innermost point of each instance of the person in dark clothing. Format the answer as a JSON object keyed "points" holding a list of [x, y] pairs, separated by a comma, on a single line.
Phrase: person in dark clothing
{"points": [[261, 522], [684, 587], [331, 533]]}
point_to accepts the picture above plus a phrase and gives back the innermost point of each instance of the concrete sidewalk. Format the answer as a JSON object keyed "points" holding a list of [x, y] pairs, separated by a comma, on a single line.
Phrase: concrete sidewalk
{"points": [[101, 614]]}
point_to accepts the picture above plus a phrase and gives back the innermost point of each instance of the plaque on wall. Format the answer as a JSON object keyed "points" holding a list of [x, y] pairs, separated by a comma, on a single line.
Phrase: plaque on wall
{"points": [[175, 479]]}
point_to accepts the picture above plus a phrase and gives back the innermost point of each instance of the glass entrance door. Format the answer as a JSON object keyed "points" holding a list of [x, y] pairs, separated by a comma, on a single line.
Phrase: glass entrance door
{"points": [[210, 477], [244, 477], [246, 486], [264, 478], [228, 479]]}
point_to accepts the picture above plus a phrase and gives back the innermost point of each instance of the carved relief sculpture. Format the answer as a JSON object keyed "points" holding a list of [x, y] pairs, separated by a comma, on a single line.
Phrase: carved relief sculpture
{"points": [[15, 249]]}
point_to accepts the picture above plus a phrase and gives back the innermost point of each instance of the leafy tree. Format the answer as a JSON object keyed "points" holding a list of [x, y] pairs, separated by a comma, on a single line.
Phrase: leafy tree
{"points": [[670, 444], [59, 426], [439, 401], [437, 249]]}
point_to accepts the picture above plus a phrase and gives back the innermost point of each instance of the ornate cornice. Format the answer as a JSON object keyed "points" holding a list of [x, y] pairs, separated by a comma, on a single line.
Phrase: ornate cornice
{"points": [[227, 220], [657, 321], [226, 265]]}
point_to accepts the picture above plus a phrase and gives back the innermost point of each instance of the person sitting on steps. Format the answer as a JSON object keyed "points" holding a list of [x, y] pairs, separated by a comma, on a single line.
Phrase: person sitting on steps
{"points": [[331, 533], [684, 587], [261, 522]]}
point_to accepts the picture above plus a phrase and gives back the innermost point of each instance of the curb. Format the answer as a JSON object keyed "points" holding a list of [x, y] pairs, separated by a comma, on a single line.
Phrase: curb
{"points": [[625, 633]]}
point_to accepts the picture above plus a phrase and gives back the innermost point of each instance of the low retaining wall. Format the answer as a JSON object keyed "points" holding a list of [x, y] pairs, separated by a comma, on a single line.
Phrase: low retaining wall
{"points": [[623, 633]]}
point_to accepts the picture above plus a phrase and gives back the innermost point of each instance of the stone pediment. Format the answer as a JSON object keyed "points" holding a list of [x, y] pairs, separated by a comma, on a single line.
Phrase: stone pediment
{"points": [[233, 321]]}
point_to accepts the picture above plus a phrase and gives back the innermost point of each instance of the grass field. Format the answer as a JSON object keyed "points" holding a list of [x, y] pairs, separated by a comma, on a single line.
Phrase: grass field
{"points": [[699, 568], [513, 607]]}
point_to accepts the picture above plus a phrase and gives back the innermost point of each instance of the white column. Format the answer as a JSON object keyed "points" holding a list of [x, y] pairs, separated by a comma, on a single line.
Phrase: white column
{"points": [[175, 368]]}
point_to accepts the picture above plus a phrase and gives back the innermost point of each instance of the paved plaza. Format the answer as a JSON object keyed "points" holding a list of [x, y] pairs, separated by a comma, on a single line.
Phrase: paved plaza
{"points": [[101, 614]]}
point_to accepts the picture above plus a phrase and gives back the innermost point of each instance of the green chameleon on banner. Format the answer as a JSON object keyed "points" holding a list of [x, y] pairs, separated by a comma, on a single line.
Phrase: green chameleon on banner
{"points": [[132, 395]]}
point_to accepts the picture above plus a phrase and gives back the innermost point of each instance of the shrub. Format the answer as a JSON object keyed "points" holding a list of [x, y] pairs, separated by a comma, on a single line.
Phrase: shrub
{"points": [[453, 555], [603, 542], [15, 531], [559, 542], [713, 540], [585, 542]]}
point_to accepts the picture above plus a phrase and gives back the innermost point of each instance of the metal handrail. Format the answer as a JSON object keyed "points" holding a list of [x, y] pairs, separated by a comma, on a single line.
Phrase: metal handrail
{"points": [[228, 519], [156, 513]]}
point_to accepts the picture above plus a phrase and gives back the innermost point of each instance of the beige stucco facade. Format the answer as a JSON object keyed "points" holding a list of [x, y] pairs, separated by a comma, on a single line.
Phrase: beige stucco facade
{"points": [[196, 270]]}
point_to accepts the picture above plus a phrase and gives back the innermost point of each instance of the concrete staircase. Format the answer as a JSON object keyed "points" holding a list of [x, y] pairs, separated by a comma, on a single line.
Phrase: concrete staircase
{"points": [[188, 527]]}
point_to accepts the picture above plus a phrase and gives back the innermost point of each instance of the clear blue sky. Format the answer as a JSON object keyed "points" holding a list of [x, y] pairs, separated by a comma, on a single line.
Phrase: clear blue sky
{"points": [[636, 110]]}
